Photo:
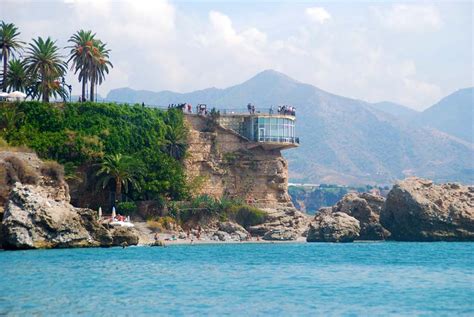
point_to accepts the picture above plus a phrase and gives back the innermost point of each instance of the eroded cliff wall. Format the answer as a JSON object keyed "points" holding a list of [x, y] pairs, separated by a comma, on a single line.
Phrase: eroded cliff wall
{"points": [[226, 164]]}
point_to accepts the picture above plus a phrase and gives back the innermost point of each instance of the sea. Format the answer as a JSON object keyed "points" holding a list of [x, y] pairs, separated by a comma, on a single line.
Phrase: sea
{"points": [[281, 279]]}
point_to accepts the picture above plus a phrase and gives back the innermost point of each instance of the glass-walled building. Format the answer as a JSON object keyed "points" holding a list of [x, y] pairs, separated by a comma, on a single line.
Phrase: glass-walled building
{"points": [[275, 129]]}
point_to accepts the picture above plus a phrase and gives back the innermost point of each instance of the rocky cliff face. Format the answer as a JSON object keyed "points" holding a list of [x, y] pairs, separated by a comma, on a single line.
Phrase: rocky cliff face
{"points": [[37, 213], [225, 164], [419, 210], [231, 166]]}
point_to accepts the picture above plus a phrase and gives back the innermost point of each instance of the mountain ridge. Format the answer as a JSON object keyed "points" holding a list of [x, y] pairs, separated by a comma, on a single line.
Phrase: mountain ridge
{"points": [[343, 140]]}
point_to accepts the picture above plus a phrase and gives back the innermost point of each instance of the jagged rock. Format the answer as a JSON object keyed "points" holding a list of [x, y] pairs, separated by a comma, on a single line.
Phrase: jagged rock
{"points": [[366, 208], [282, 218], [222, 236], [230, 227], [240, 235], [34, 218], [124, 236], [333, 227], [418, 210], [280, 235]]}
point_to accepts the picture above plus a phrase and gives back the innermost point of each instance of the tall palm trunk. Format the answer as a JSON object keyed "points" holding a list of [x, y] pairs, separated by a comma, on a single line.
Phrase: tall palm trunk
{"points": [[45, 94], [92, 86], [118, 189], [5, 69], [84, 83]]}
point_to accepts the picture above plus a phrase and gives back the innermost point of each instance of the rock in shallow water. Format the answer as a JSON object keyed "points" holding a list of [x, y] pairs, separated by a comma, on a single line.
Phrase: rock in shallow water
{"points": [[366, 208], [418, 210], [333, 227]]}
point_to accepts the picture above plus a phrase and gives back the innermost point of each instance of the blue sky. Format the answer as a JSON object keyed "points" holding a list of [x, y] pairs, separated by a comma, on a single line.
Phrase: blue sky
{"points": [[413, 53]]}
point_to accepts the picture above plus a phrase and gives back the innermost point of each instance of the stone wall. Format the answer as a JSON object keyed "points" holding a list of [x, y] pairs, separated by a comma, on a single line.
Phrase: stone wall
{"points": [[225, 164]]}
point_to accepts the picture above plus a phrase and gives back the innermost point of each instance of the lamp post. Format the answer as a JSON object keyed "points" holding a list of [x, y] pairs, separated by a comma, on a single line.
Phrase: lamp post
{"points": [[63, 82]]}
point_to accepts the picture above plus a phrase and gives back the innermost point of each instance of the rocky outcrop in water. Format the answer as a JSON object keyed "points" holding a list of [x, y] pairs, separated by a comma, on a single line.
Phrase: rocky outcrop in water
{"points": [[283, 222], [36, 217], [419, 210], [366, 208], [329, 226]]}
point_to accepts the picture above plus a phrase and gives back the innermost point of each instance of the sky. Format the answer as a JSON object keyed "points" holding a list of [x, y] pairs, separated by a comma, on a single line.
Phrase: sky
{"points": [[412, 53]]}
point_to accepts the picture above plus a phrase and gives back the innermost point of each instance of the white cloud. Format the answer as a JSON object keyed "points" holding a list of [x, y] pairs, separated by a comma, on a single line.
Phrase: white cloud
{"points": [[318, 14], [159, 46], [410, 18]]}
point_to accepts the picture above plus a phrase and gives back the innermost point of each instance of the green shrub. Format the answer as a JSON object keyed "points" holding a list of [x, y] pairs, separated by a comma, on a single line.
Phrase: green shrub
{"points": [[3, 143], [247, 216], [126, 208], [224, 209]]}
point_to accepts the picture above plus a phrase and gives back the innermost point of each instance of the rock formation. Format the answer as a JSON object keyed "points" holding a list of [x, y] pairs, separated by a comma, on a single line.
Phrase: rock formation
{"points": [[225, 164], [37, 213], [366, 208], [329, 226], [418, 210]]}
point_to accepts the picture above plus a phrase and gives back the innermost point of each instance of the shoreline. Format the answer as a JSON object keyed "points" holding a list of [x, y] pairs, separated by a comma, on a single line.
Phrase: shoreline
{"points": [[206, 241]]}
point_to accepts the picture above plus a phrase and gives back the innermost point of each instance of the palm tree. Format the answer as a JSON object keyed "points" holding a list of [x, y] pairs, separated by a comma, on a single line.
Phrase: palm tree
{"points": [[9, 44], [10, 118], [99, 66], [81, 56], [175, 142], [123, 170], [17, 77], [44, 61]]}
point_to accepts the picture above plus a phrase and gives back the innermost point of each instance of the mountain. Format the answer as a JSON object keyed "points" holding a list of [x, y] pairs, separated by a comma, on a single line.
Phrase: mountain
{"points": [[452, 114], [343, 140], [396, 110]]}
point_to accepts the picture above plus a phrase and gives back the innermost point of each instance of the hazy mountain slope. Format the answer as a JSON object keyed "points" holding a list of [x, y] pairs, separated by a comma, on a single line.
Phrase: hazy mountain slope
{"points": [[452, 114], [396, 110], [343, 140]]}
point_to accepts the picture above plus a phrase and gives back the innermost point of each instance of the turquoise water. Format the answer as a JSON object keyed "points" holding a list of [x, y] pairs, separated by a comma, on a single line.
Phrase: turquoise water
{"points": [[430, 279]]}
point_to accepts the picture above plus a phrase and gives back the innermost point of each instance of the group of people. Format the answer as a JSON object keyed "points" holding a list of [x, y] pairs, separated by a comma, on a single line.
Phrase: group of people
{"points": [[287, 110], [185, 107], [251, 108], [201, 109]]}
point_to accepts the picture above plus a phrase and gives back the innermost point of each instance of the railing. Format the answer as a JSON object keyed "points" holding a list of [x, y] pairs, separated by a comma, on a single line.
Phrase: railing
{"points": [[294, 140], [267, 112]]}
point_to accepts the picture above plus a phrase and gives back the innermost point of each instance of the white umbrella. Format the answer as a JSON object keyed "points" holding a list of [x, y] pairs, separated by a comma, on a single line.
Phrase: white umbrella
{"points": [[113, 212], [17, 94], [100, 213]]}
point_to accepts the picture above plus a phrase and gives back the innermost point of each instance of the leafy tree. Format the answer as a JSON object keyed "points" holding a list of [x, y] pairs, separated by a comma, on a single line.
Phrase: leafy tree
{"points": [[9, 44], [122, 170], [44, 61]]}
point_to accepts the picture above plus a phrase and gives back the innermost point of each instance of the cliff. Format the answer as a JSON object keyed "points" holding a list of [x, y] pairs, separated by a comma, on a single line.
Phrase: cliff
{"points": [[224, 164], [229, 165]]}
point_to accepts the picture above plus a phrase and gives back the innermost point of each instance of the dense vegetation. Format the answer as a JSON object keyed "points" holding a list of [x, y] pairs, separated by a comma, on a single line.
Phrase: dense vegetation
{"points": [[88, 134], [205, 208]]}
